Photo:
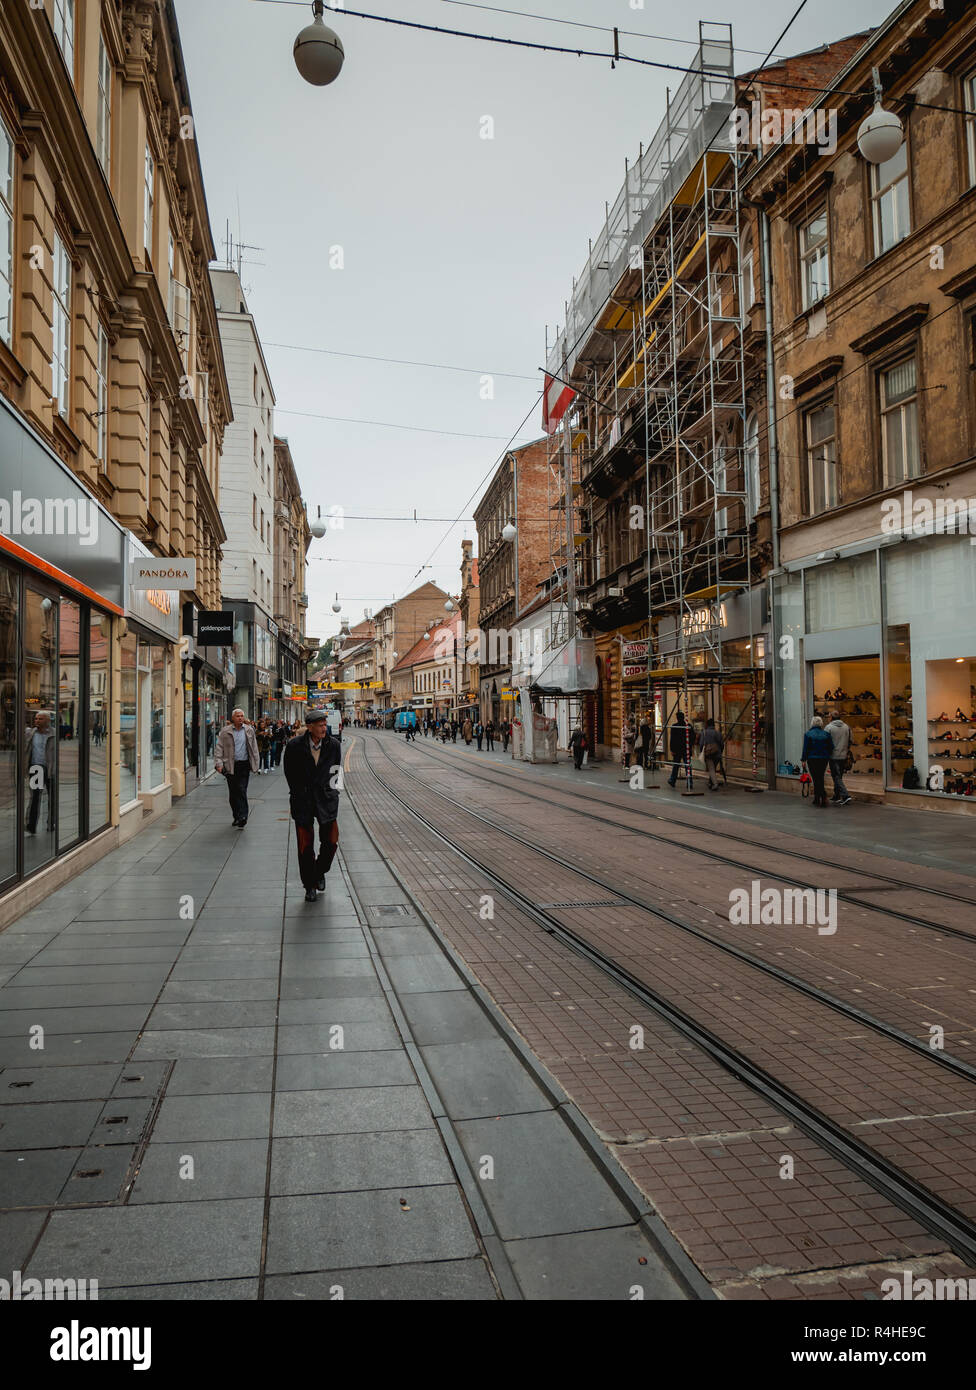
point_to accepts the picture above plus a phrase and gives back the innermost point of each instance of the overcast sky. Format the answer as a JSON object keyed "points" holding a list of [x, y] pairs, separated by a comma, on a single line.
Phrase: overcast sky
{"points": [[456, 250]]}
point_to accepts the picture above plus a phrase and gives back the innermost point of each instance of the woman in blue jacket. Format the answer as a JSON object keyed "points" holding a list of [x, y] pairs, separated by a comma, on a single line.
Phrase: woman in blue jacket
{"points": [[818, 749]]}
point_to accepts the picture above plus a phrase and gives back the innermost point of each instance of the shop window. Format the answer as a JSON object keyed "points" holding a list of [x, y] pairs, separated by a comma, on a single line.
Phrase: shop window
{"points": [[103, 117], [821, 448], [852, 690], [61, 325], [157, 734], [814, 259], [6, 234], [10, 716], [99, 704], [891, 211], [68, 723], [901, 734], [899, 422]]}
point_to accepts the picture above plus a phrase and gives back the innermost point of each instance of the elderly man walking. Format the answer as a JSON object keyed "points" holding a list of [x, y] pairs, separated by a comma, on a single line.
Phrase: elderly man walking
{"points": [[237, 757], [313, 770]]}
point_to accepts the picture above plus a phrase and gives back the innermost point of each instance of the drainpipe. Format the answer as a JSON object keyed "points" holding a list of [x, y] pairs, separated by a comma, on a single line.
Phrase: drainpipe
{"points": [[771, 436]]}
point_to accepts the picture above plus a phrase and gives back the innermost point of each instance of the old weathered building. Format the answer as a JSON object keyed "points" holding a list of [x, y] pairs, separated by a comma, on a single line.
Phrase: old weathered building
{"points": [[113, 384], [874, 307]]}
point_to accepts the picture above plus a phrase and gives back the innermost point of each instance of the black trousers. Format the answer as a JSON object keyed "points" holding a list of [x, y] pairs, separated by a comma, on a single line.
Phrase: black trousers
{"points": [[818, 771], [34, 805], [312, 868], [237, 789]]}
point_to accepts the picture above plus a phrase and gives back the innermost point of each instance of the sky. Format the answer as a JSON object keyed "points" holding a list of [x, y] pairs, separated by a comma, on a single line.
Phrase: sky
{"points": [[387, 226]]}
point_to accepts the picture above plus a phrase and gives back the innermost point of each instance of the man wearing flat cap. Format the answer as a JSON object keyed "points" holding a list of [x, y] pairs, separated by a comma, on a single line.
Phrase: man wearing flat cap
{"points": [[313, 771]]}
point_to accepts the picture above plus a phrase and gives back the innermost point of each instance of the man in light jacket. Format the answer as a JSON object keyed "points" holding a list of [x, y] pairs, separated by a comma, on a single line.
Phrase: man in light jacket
{"points": [[840, 737], [237, 757], [40, 745], [313, 770]]}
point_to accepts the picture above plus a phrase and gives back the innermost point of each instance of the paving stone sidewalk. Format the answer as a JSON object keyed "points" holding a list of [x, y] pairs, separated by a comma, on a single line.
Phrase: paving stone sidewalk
{"points": [[212, 1089]]}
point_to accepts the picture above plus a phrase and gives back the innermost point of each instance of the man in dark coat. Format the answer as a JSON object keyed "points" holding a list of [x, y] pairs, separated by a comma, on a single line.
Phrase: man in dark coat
{"points": [[313, 771]]}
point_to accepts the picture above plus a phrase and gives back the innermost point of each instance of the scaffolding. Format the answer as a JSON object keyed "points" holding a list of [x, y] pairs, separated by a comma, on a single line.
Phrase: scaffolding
{"points": [[654, 344]]}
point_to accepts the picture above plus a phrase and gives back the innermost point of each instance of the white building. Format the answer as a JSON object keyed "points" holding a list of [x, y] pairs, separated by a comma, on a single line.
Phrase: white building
{"points": [[247, 483]]}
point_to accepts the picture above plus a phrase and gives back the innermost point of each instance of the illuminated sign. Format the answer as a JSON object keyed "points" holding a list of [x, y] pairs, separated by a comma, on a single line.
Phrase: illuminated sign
{"points": [[160, 598]]}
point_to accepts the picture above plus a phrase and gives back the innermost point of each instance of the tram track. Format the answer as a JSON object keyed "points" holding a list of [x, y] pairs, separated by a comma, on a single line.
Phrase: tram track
{"points": [[843, 896], [932, 1211]]}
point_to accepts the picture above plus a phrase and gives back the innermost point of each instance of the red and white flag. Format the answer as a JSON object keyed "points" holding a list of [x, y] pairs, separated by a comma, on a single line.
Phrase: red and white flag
{"points": [[555, 403]]}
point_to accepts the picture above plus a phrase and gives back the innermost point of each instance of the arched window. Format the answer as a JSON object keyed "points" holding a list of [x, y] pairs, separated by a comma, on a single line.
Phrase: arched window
{"points": [[751, 464]]}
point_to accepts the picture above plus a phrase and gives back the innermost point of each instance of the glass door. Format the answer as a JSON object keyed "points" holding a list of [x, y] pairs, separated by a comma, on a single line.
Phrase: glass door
{"points": [[69, 720], [9, 718], [39, 784]]}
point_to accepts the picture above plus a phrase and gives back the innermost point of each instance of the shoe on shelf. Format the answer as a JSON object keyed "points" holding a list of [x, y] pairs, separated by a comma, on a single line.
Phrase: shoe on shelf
{"points": [[310, 895]]}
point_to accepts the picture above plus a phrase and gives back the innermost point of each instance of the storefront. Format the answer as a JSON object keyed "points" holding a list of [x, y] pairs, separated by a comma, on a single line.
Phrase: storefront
{"points": [[61, 589], [149, 663], [255, 660], [886, 638]]}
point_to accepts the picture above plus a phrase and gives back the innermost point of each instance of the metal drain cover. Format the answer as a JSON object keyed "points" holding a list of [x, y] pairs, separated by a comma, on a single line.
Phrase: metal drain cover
{"points": [[598, 902], [391, 910]]}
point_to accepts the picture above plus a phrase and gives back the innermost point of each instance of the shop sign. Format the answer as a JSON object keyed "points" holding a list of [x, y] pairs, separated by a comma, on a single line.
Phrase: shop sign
{"points": [[299, 692], [264, 677], [272, 627], [46, 511], [155, 608], [635, 659], [165, 573], [287, 689], [215, 629]]}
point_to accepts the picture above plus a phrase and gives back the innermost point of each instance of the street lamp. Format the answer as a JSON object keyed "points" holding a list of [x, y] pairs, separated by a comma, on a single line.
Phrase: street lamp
{"points": [[509, 532], [880, 134], [337, 606], [318, 51]]}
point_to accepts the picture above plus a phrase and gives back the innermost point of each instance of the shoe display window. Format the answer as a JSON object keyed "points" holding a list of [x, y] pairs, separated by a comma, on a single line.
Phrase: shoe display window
{"points": [[852, 689]]}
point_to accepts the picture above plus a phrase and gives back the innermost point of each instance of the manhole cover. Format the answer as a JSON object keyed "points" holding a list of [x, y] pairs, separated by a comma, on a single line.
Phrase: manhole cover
{"points": [[391, 910]]}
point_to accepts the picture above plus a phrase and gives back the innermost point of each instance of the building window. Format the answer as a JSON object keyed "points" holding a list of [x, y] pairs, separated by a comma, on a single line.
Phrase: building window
{"points": [[899, 422], [101, 405], [64, 31], [821, 446], [254, 510], [815, 259], [751, 466], [6, 234], [969, 96], [889, 199], [150, 189], [748, 283], [61, 325], [103, 119]]}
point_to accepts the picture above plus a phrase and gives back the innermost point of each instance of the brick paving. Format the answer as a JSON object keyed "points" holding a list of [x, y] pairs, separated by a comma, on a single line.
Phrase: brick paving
{"points": [[667, 1110]]}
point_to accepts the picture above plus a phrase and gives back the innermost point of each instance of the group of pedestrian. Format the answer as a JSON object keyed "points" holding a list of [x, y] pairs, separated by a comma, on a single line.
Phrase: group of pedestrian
{"points": [[823, 747]]}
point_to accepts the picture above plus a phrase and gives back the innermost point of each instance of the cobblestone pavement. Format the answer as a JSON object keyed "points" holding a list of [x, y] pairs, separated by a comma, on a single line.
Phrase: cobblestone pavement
{"points": [[705, 1149]]}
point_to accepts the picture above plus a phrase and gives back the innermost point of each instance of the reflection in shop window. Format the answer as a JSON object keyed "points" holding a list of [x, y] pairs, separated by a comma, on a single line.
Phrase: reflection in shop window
{"points": [[9, 600], [128, 768], [98, 709]]}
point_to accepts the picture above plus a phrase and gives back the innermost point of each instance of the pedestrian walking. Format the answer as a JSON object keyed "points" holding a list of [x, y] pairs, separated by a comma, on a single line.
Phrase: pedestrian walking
{"points": [[506, 734], [679, 745], [818, 748], [711, 744], [840, 737], [313, 770], [237, 757], [577, 746], [263, 735], [490, 736], [466, 731], [645, 731], [630, 738], [479, 733]]}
